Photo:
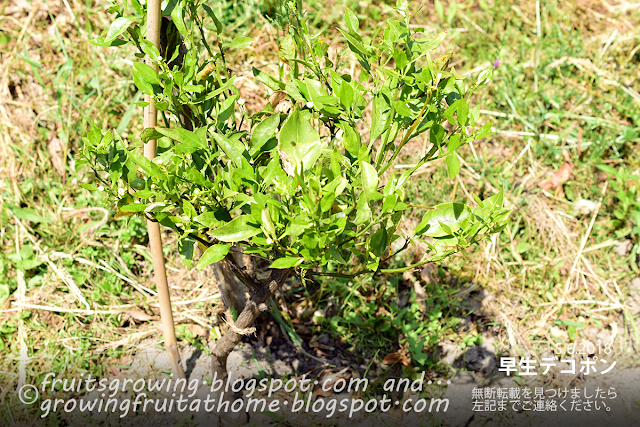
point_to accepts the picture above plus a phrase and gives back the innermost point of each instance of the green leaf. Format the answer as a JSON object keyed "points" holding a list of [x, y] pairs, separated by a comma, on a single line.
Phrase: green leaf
{"points": [[346, 94], [300, 141], [286, 262], [485, 77], [389, 203], [118, 27], [402, 109], [351, 21], [213, 254], [134, 207], [453, 165], [380, 116], [90, 187], [449, 214], [463, 112], [379, 241], [350, 139], [149, 134], [189, 141], [186, 249], [150, 50], [355, 43], [454, 143], [239, 228], [147, 73], [484, 131], [369, 178], [401, 59], [494, 202], [262, 133], [151, 168], [99, 41], [234, 149], [240, 42], [287, 49], [140, 83], [363, 212], [144, 194], [271, 82], [432, 43], [403, 7], [212, 15]]}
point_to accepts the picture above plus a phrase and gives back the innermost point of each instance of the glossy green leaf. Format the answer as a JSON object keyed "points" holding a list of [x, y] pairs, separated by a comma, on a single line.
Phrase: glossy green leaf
{"points": [[369, 178], [286, 262], [351, 20], [240, 42], [350, 139], [234, 149], [287, 49], [432, 43], [346, 94], [379, 241], [119, 26], [463, 112], [141, 84], [189, 141], [300, 141], [355, 43], [453, 165], [146, 165], [363, 212], [239, 228], [267, 79], [147, 73], [450, 214], [263, 132], [215, 19], [213, 254], [380, 116]]}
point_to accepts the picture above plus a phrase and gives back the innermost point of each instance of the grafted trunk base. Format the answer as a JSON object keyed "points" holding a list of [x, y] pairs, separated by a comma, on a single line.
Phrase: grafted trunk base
{"points": [[258, 296]]}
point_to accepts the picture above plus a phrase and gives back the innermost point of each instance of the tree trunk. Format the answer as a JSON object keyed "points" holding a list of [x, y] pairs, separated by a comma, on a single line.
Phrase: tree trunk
{"points": [[255, 301]]}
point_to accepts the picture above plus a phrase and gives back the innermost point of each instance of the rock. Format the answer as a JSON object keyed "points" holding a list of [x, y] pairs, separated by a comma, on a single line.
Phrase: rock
{"points": [[481, 359], [623, 247], [324, 339], [460, 408]]}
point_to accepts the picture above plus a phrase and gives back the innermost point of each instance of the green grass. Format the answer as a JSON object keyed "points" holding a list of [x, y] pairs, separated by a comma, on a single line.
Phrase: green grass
{"points": [[565, 93]]}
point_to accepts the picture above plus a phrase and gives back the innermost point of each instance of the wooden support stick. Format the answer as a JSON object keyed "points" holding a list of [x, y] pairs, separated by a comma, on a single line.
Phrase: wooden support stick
{"points": [[155, 239]]}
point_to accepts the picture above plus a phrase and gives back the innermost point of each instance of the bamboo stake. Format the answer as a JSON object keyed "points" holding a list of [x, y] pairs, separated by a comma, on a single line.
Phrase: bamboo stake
{"points": [[155, 240]]}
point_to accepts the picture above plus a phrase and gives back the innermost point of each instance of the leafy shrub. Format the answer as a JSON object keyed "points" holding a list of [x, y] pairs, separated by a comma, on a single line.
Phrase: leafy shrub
{"points": [[306, 183]]}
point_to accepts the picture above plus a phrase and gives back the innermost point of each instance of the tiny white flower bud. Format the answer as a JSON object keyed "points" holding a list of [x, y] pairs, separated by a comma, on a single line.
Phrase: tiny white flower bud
{"points": [[309, 104], [121, 192], [269, 240], [241, 101], [340, 215], [100, 188]]}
